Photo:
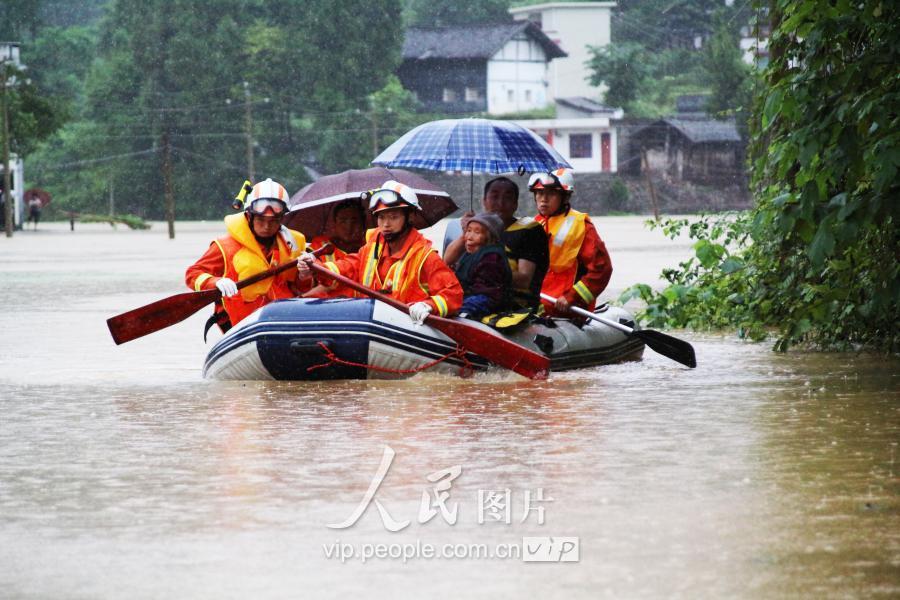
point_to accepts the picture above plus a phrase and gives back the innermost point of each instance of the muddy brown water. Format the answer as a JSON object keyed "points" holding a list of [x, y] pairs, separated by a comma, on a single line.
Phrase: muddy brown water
{"points": [[124, 474]]}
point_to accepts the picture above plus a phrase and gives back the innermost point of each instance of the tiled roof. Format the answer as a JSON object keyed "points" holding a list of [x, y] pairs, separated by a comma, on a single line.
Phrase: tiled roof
{"points": [[472, 41], [585, 104], [700, 130]]}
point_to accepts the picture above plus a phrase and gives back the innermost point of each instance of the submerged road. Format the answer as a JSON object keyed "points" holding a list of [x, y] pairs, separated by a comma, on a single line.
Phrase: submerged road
{"points": [[124, 474]]}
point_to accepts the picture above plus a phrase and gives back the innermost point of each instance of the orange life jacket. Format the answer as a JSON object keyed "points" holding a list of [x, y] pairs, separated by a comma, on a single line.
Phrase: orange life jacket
{"points": [[566, 234], [340, 290], [403, 279], [244, 258]]}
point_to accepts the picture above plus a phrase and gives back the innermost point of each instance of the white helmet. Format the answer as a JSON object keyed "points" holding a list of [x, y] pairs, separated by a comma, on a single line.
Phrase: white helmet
{"points": [[265, 196], [560, 179], [389, 195]]}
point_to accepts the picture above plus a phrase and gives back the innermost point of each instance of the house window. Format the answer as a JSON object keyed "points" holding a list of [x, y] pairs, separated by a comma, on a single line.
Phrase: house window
{"points": [[450, 95], [473, 94], [527, 95], [510, 95], [580, 145]]}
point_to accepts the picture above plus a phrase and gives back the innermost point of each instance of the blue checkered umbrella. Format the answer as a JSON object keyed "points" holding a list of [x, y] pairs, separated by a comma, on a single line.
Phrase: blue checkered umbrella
{"points": [[473, 145]]}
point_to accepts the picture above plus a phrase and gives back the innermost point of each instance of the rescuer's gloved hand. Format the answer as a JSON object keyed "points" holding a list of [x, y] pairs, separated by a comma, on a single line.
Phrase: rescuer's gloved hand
{"points": [[418, 312], [227, 287]]}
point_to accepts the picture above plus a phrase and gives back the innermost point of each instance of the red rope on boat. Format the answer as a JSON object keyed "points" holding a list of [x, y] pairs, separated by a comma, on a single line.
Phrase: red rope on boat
{"points": [[465, 370]]}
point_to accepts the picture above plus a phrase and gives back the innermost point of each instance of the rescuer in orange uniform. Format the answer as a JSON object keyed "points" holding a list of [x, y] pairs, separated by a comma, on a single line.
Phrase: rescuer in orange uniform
{"points": [[580, 266], [256, 241], [348, 235], [397, 260]]}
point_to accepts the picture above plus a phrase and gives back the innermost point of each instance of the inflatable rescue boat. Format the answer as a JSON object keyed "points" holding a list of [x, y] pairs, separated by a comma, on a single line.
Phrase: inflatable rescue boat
{"points": [[312, 339]]}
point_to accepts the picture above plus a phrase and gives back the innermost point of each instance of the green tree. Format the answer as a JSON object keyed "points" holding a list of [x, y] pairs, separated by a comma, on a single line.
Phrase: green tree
{"points": [[59, 59], [442, 13], [19, 19], [817, 259], [170, 75], [728, 75], [622, 68], [663, 24], [26, 117]]}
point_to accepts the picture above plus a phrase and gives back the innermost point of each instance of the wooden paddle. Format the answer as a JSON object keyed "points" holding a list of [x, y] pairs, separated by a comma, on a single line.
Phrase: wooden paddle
{"points": [[482, 342], [677, 350], [174, 309]]}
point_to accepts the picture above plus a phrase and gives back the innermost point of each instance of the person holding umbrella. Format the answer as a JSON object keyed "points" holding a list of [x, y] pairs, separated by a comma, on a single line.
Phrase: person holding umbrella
{"points": [[524, 239], [397, 260], [580, 266], [346, 237], [256, 241]]}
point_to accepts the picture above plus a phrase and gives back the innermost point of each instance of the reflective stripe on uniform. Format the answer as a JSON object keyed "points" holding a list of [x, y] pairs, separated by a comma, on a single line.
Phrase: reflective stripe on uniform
{"points": [[560, 238], [584, 292], [441, 305], [198, 283]]}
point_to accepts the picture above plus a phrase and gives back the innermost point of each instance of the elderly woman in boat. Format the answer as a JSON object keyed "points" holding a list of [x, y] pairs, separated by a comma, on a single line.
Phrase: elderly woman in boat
{"points": [[524, 239]]}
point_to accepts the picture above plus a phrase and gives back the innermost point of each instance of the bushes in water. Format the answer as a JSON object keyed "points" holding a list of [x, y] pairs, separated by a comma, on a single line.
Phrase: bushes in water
{"points": [[132, 221], [818, 259]]}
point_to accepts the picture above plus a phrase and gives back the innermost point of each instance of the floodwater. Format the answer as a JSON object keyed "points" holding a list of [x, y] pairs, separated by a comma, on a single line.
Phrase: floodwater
{"points": [[123, 474]]}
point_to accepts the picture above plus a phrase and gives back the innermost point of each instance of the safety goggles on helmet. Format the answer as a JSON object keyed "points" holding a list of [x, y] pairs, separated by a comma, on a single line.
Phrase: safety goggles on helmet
{"points": [[559, 179], [391, 195], [388, 198], [259, 207]]}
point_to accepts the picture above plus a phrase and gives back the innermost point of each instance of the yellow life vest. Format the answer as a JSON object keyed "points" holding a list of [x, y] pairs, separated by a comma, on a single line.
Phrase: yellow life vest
{"points": [[403, 278], [566, 235], [249, 259]]}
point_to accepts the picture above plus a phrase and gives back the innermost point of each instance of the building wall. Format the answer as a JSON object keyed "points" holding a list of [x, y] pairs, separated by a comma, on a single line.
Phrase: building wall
{"points": [[432, 80], [516, 77], [562, 139], [17, 174], [574, 26], [559, 135]]}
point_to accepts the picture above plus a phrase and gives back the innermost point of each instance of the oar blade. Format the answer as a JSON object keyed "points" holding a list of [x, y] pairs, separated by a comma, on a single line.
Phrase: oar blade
{"points": [[158, 315], [493, 347], [678, 350]]}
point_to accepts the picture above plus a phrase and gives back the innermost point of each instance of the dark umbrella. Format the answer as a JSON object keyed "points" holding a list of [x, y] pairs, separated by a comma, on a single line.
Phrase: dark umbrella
{"points": [[311, 208], [42, 195]]}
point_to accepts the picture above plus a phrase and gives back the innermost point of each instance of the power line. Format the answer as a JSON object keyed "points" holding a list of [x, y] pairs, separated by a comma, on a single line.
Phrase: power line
{"points": [[91, 161]]}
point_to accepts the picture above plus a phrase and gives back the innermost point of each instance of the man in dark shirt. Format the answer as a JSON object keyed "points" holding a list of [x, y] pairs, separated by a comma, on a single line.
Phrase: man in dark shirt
{"points": [[524, 238]]}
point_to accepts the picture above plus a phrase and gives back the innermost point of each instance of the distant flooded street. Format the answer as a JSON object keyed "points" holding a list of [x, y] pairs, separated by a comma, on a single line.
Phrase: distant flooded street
{"points": [[124, 474]]}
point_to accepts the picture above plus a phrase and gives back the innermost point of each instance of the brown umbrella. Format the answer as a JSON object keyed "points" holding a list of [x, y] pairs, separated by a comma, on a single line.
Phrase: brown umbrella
{"points": [[311, 208], [42, 195]]}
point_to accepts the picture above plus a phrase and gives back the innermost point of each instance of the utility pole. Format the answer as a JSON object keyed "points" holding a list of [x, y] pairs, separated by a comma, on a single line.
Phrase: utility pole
{"points": [[375, 148], [112, 199], [645, 167], [8, 199], [167, 181], [248, 133]]}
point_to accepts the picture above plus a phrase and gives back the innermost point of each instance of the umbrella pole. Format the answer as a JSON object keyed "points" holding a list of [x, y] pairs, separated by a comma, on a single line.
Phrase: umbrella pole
{"points": [[472, 188]]}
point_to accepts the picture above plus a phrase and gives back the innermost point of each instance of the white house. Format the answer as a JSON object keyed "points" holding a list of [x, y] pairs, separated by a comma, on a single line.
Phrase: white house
{"points": [[573, 26], [478, 68], [583, 132], [754, 45]]}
